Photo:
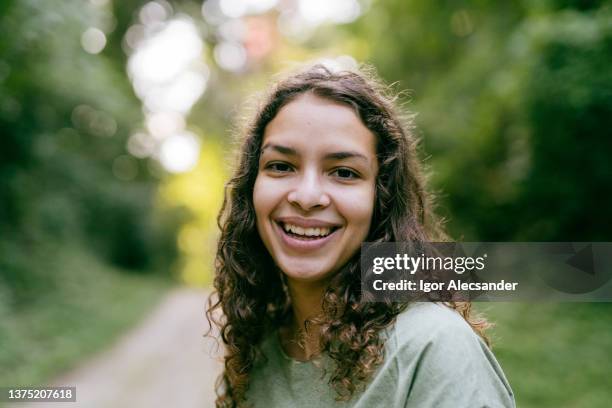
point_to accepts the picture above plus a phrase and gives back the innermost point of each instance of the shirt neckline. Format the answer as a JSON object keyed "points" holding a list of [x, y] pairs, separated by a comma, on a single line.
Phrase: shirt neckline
{"points": [[279, 346]]}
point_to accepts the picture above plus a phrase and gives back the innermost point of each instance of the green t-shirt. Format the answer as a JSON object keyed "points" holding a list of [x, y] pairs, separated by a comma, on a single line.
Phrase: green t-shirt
{"points": [[432, 359]]}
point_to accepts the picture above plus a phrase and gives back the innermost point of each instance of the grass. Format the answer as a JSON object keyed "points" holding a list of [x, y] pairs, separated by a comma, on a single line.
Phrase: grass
{"points": [[86, 308], [555, 355]]}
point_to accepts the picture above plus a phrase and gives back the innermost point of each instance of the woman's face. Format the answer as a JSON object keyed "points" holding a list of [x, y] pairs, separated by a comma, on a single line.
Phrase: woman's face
{"points": [[315, 187]]}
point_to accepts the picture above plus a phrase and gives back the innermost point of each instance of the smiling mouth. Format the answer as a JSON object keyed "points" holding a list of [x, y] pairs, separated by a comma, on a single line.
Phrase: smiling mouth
{"points": [[306, 234]]}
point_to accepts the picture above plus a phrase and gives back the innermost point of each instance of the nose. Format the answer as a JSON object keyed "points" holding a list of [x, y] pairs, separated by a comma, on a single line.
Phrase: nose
{"points": [[309, 192]]}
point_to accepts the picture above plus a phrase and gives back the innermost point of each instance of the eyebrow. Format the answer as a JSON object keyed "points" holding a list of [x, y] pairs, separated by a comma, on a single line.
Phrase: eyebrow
{"points": [[330, 156], [281, 149]]}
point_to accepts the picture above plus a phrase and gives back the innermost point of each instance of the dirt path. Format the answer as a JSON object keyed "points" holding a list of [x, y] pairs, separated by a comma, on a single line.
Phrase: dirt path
{"points": [[163, 362]]}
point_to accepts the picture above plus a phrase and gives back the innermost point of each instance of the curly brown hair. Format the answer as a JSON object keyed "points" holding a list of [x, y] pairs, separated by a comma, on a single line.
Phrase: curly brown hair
{"points": [[249, 287]]}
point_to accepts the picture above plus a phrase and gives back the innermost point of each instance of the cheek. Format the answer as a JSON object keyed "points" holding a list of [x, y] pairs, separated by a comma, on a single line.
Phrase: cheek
{"points": [[266, 196], [358, 207], [260, 199], [262, 205]]}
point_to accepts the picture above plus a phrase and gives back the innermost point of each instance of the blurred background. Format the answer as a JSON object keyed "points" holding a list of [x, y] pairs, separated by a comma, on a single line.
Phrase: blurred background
{"points": [[116, 123]]}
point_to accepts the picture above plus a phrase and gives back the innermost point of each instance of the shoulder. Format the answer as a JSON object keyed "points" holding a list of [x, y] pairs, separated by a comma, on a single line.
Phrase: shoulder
{"points": [[446, 364], [437, 335], [428, 323], [446, 361]]}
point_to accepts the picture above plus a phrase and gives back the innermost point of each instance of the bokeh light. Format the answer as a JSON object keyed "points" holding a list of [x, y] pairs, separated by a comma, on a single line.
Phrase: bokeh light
{"points": [[231, 56], [93, 40], [160, 58], [155, 12], [141, 145], [169, 75], [239, 8], [180, 152], [163, 124], [337, 11]]}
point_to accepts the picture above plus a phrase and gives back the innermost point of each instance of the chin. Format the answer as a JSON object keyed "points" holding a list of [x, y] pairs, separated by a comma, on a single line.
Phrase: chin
{"points": [[305, 273]]}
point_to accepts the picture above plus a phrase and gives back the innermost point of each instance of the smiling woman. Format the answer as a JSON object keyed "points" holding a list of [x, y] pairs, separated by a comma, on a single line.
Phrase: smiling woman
{"points": [[326, 165]]}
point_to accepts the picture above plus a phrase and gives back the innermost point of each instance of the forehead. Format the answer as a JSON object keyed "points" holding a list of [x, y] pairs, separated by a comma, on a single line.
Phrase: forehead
{"points": [[311, 122]]}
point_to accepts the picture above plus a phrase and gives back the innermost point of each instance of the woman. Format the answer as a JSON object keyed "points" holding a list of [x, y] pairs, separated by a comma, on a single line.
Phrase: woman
{"points": [[325, 165]]}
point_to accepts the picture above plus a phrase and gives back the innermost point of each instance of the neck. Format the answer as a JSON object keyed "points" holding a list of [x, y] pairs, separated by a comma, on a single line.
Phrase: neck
{"points": [[306, 303]]}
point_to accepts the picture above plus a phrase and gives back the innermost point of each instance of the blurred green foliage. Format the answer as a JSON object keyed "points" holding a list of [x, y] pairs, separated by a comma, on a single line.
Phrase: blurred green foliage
{"points": [[515, 105], [65, 116]]}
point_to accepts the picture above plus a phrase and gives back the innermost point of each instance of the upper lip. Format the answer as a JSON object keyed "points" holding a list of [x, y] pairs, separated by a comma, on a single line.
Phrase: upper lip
{"points": [[307, 222]]}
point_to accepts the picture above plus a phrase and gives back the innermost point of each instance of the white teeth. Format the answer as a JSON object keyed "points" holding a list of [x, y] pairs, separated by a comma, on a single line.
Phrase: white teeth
{"points": [[309, 232]]}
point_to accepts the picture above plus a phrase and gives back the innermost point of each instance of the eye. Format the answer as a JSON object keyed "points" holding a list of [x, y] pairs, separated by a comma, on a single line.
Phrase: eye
{"points": [[278, 167], [344, 173]]}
